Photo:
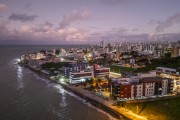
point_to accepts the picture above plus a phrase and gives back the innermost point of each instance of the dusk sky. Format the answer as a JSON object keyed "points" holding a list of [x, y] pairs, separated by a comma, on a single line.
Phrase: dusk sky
{"points": [[88, 21]]}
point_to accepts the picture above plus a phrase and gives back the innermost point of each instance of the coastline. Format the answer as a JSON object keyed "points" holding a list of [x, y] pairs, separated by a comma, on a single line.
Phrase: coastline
{"points": [[106, 106]]}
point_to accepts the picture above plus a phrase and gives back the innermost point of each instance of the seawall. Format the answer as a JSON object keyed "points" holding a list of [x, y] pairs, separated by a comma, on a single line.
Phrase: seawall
{"points": [[96, 103]]}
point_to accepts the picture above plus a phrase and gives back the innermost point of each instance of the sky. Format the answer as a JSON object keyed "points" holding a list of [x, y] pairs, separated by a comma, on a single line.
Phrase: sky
{"points": [[88, 21]]}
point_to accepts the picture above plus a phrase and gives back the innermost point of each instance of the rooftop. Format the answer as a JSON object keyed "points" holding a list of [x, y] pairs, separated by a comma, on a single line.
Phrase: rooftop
{"points": [[152, 79]]}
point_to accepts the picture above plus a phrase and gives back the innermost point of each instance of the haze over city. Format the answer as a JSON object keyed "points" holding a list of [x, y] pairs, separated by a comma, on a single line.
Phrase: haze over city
{"points": [[88, 21]]}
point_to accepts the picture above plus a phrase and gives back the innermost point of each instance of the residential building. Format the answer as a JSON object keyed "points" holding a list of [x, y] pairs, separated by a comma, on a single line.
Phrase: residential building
{"points": [[126, 89], [136, 90], [74, 67], [156, 86], [175, 52]]}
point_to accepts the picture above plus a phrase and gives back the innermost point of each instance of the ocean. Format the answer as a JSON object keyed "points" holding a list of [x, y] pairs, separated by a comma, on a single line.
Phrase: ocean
{"points": [[26, 96]]}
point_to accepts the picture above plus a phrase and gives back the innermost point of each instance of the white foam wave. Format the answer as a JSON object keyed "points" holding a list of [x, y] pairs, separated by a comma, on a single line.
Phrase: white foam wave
{"points": [[63, 91]]}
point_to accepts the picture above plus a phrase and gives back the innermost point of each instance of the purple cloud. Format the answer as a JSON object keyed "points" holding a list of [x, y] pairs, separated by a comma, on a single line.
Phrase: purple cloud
{"points": [[135, 30], [76, 15], [169, 22], [22, 17], [3, 7]]}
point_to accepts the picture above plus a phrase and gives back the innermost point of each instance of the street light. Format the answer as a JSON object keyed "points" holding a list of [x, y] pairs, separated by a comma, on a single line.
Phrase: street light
{"points": [[137, 109]]}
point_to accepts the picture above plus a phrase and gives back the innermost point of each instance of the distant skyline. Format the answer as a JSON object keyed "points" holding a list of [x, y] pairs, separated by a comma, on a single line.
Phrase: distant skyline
{"points": [[88, 21]]}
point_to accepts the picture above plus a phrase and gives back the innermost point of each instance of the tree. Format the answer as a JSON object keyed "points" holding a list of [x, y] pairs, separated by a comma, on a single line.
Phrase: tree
{"points": [[42, 51], [57, 52], [134, 53], [168, 55]]}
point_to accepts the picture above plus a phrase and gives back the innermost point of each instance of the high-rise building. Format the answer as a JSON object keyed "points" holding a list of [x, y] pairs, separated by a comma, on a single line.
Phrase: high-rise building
{"points": [[102, 45], [175, 52]]}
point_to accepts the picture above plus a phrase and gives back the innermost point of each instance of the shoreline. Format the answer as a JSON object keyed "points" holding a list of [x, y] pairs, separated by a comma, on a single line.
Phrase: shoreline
{"points": [[95, 103], [106, 106]]}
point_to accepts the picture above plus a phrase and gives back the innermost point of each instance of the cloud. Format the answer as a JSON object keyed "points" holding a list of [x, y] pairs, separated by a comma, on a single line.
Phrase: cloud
{"points": [[45, 27], [49, 33], [48, 24], [119, 30], [4, 27], [152, 22], [43, 32], [169, 22], [27, 6], [3, 7], [76, 15], [73, 34], [135, 30], [22, 17], [124, 35]]}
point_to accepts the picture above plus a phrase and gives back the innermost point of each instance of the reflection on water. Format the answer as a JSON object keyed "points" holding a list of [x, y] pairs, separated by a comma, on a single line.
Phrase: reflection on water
{"points": [[26, 96], [20, 83], [63, 93]]}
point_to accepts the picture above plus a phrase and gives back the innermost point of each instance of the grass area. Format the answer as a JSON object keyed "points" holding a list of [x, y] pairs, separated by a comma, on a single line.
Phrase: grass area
{"points": [[157, 110], [54, 66], [119, 69], [163, 62]]}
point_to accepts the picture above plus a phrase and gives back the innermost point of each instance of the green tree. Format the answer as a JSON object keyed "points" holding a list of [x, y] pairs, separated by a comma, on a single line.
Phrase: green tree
{"points": [[57, 52], [168, 55]]}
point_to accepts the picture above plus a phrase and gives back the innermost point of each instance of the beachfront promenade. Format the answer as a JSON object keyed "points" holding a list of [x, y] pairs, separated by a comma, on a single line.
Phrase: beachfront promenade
{"points": [[109, 104]]}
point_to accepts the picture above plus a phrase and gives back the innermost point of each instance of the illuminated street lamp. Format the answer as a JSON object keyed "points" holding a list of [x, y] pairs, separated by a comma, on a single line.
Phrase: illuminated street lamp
{"points": [[18, 60], [61, 80]]}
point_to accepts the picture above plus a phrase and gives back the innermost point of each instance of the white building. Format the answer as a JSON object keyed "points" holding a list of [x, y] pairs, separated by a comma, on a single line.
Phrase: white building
{"points": [[166, 70], [136, 90], [78, 77], [149, 74]]}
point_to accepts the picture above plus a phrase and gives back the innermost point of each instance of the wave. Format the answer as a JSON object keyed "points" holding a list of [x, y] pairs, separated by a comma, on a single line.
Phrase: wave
{"points": [[62, 91]]}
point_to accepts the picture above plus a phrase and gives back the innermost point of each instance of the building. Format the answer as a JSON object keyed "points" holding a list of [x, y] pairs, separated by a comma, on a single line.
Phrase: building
{"points": [[156, 86], [166, 70], [37, 56], [102, 44], [158, 52], [175, 52], [125, 89], [149, 74], [172, 74], [136, 90], [74, 67], [100, 71], [81, 76], [147, 86]]}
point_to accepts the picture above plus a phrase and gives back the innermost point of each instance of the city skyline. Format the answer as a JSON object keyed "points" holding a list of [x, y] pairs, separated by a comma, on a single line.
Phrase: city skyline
{"points": [[83, 21]]}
